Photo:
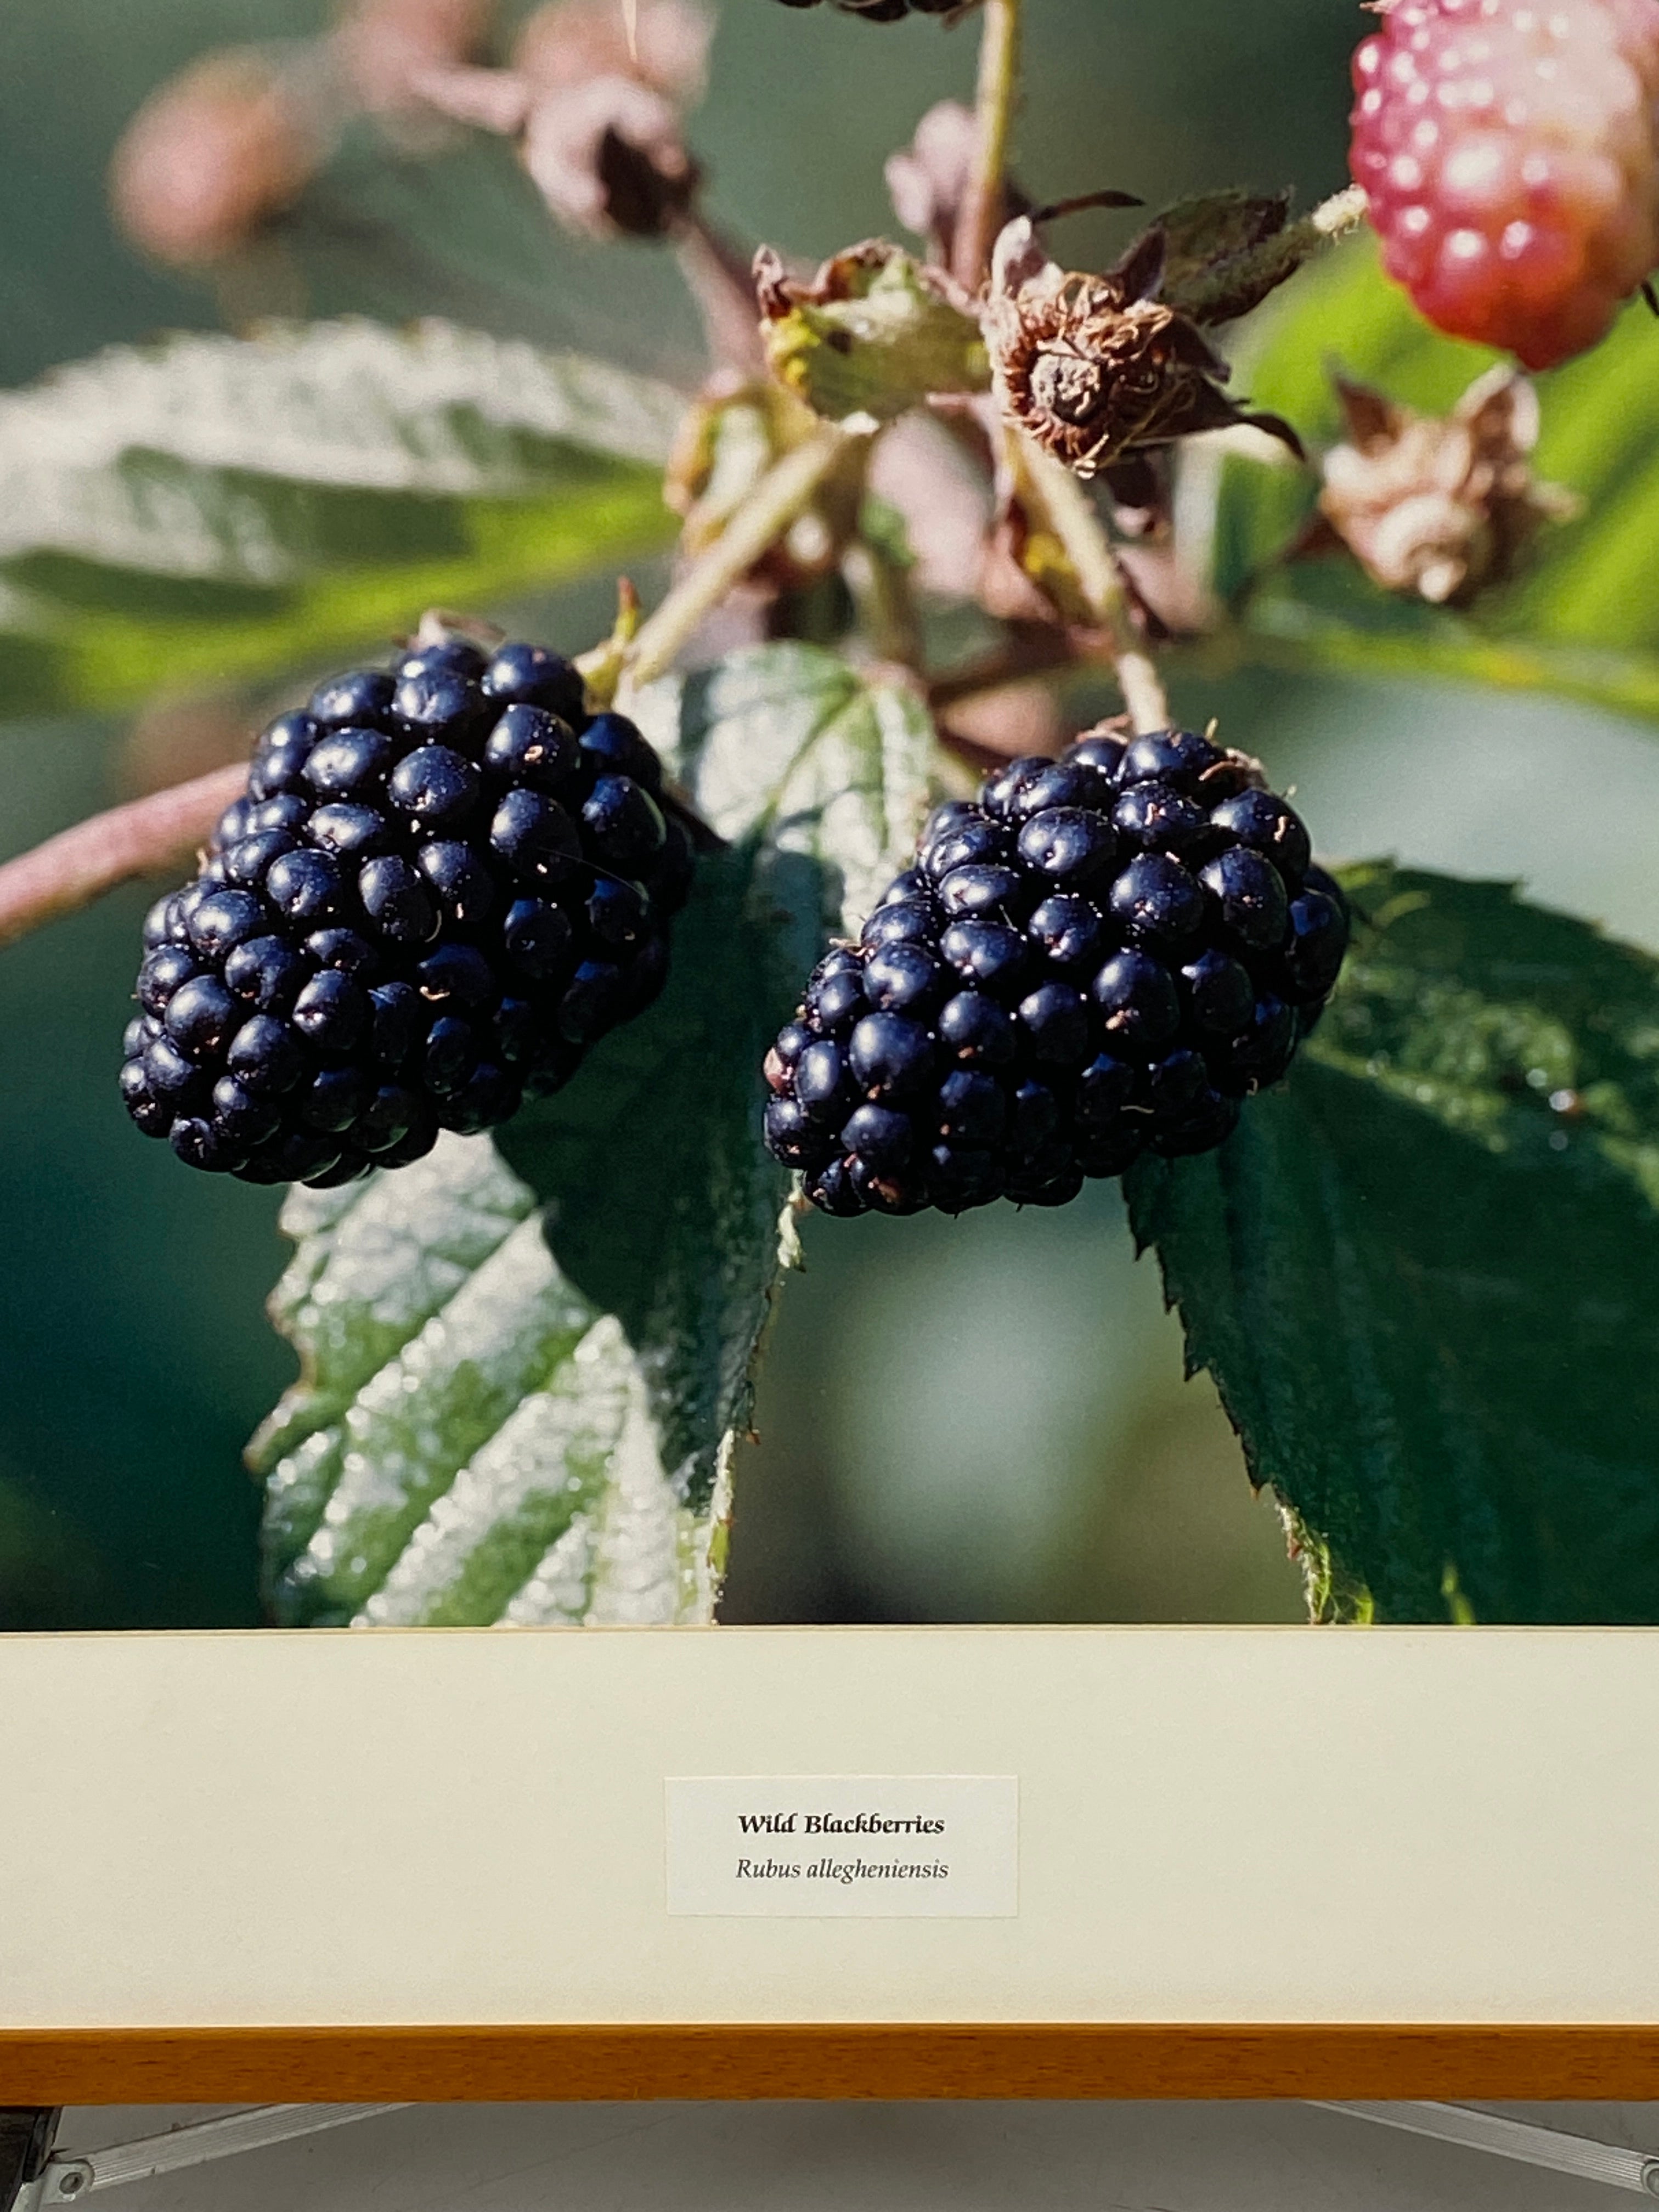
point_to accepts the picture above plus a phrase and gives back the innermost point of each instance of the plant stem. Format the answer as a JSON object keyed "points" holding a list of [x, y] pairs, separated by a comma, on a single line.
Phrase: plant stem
{"points": [[782, 495], [78, 866], [1032, 650], [717, 277], [998, 81], [886, 606], [1072, 517]]}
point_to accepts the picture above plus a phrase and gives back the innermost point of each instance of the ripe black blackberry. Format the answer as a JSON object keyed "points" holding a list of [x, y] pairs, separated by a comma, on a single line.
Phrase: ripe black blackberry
{"points": [[1105, 952], [444, 882], [886, 11]]}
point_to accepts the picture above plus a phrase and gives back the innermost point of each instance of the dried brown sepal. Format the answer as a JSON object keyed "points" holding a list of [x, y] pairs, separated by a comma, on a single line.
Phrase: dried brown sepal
{"points": [[1096, 368], [1225, 778], [1108, 725], [1440, 507]]}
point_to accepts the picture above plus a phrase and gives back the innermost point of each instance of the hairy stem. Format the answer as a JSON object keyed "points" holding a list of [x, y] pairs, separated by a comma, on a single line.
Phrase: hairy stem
{"points": [[999, 83], [781, 495], [1070, 515], [78, 866]]}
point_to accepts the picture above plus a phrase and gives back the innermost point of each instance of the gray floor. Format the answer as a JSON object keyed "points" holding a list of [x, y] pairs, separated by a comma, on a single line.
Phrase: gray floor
{"points": [[1215, 2157]]}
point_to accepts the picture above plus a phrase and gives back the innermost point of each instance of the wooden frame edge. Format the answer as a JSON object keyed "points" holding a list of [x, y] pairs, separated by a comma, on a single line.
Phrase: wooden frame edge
{"points": [[217, 2065]]}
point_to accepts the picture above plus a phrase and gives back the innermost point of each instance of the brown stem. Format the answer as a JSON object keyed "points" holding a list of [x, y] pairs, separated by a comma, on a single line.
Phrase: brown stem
{"points": [[717, 278], [78, 866], [999, 81], [1070, 515]]}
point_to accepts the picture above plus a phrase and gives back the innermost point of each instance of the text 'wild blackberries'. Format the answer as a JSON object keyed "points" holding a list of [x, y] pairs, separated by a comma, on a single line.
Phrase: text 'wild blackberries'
{"points": [[1105, 952], [444, 883]]}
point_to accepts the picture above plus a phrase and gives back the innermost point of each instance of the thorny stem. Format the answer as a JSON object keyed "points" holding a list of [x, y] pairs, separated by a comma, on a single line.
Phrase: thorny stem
{"points": [[782, 494], [72, 870], [1073, 519], [999, 83]]}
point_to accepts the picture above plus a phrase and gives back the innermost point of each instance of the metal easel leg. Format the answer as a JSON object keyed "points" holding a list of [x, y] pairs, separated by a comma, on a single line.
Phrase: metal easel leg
{"points": [[27, 2132], [56, 2179], [1552, 2148]]}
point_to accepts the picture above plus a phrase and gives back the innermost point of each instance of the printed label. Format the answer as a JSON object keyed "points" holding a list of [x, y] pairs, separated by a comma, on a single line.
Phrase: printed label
{"points": [[865, 1846]]}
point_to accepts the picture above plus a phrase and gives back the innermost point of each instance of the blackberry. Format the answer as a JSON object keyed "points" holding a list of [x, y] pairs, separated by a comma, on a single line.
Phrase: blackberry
{"points": [[446, 881], [1106, 954]]}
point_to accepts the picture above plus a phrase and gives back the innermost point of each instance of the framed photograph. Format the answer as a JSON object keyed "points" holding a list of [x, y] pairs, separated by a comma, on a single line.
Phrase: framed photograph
{"points": [[890, 880]]}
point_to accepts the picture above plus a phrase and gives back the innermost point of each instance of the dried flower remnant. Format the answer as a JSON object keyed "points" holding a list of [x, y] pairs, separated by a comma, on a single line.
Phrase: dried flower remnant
{"points": [[571, 42], [386, 46], [1439, 506], [608, 157], [217, 152], [598, 116], [872, 335], [929, 181], [1094, 367]]}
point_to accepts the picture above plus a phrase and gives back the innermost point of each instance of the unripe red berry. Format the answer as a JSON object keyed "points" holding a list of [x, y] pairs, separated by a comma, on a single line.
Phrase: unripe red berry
{"points": [[1510, 155]]}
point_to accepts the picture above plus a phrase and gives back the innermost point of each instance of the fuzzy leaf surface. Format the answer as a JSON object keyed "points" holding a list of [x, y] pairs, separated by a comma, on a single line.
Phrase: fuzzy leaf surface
{"points": [[1424, 1270], [1571, 623], [1225, 251], [525, 1359], [218, 507]]}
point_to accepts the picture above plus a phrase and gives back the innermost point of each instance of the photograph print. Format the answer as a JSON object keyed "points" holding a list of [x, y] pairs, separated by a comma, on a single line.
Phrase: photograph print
{"points": [[839, 812]]}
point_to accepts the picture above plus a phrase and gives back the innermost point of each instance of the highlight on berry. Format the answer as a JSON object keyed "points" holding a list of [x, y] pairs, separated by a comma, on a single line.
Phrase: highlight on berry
{"points": [[444, 882], [1100, 954]]}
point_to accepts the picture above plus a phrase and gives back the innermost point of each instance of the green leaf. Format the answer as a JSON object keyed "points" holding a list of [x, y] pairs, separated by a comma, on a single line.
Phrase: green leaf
{"points": [[1226, 251], [215, 507], [1424, 1270], [1572, 622], [525, 1360]]}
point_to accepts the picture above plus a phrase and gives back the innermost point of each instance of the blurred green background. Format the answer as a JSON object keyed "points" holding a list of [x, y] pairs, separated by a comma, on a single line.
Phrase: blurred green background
{"points": [[983, 1419]]}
